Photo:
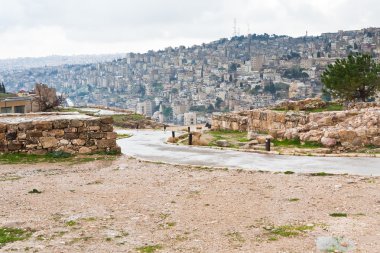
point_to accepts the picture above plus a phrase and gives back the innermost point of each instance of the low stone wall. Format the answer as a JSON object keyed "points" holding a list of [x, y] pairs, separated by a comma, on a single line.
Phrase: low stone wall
{"points": [[349, 129], [46, 132]]}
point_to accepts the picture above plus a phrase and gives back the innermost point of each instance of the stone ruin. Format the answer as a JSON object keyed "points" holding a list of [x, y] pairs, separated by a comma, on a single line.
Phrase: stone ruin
{"points": [[39, 133], [345, 130]]}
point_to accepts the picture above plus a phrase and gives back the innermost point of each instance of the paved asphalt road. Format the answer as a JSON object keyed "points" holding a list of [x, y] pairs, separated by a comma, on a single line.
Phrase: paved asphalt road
{"points": [[149, 145]]}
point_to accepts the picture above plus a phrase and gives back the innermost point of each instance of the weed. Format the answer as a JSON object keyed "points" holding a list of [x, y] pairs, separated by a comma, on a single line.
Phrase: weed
{"points": [[288, 172], [321, 174], [338, 214], [96, 182], [108, 239], [294, 199], [171, 224], [290, 230], [236, 237], [272, 238], [123, 136], [89, 219], [163, 216], [149, 248], [71, 223]]}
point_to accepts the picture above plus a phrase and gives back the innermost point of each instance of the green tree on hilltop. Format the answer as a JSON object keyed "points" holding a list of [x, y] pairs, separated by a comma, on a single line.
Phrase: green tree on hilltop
{"points": [[353, 78]]}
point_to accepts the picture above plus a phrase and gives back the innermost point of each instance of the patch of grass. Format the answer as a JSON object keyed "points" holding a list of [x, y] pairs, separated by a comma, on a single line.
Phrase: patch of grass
{"points": [[288, 172], [338, 214], [273, 238], [9, 178], [296, 143], [293, 199], [35, 191], [149, 248], [163, 216], [330, 107], [321, 174], [53, 157], [71, 223], [231, 136], [8, 235], [171, 224], [123, 136], [244, 139], [290, 230]]}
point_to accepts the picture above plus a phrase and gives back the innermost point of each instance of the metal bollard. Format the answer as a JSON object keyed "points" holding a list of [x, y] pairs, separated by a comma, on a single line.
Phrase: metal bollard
{"points": [[267, 144], [190, 139], [173, 134]]}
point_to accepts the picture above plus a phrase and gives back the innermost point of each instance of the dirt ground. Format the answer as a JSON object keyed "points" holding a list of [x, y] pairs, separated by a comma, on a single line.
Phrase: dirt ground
{"points": [[131, 206]]}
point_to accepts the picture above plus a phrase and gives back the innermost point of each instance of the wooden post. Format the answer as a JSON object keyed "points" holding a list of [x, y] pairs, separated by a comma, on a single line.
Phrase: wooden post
{"points": [[190, 139], [173, 134], [267, 144]]}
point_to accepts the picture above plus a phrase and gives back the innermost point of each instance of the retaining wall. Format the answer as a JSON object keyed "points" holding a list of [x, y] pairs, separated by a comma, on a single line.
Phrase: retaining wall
{"points": [[46, 132]]}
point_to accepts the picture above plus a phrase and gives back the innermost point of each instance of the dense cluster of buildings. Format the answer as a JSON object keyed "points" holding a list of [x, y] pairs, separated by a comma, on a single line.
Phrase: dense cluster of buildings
{"points": [[225, 75]]}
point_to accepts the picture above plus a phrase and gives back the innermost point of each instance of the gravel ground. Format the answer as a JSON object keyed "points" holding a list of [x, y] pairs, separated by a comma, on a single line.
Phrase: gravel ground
{"points": [[126, 205]]}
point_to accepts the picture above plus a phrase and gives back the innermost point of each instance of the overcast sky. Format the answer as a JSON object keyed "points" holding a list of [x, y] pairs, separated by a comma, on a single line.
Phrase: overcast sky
{"points": [[66, 27]]}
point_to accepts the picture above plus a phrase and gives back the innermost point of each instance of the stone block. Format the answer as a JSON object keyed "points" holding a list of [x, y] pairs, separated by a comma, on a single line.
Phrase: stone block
{"points": [[56, 133], [328, 142], [97, 135], [106, 143], [92, 122], [106, 120], [33, 134], [78, 142], [111, 135], [11, 136], [25, 126], [14, 146], [43, 125], [346, 135], [3, 128], [60, 124], [222, 143], [71, 130], [93, 128], [76, 123], [71, 136], [21, 136], [85, 150], [106, 128], [64, 142], [48, 142]]}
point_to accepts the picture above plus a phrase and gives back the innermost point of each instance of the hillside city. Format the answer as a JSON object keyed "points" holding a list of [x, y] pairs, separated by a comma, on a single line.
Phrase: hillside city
{"points": [[243, 72]]}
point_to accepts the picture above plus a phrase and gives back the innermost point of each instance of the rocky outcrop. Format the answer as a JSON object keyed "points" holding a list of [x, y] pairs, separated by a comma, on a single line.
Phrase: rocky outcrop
{"points": [[302, 105], [347, 130], [42, 133]]}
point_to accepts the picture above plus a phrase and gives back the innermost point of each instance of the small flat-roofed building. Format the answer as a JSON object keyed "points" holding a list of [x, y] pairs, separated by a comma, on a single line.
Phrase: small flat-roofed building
{"points": [[18, 105]]}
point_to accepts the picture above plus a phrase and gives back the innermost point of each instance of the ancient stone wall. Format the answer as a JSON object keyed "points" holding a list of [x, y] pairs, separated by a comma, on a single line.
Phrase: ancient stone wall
{"points": [[47, 132], [348, 129]]}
